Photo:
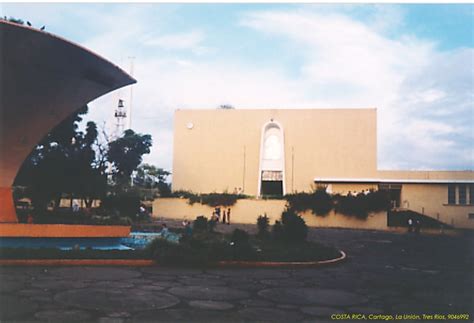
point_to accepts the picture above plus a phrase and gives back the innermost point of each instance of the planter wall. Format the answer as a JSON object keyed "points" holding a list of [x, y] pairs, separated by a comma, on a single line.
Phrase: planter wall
{"points": [[247, 211]]}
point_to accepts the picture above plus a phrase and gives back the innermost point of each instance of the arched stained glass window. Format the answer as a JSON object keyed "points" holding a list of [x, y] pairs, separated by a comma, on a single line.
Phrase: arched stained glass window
{"points": [[272, 148]]}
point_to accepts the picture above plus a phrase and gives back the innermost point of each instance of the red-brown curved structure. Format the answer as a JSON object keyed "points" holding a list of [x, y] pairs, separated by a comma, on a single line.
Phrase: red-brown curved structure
{"points": [[43, 79]]}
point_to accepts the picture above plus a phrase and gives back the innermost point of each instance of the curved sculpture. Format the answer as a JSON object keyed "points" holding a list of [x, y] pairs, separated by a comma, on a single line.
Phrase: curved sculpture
{"points": [[43, 79]]}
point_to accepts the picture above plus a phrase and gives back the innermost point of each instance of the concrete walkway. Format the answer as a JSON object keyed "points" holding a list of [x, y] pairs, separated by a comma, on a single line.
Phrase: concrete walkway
{"points": [[386, 273]]}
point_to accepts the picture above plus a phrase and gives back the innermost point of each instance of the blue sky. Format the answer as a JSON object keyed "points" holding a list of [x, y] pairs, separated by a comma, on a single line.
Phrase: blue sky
{"points": [[414, 63]]}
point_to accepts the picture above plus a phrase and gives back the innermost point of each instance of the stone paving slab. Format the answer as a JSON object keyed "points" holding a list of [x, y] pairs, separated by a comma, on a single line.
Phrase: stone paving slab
{"points": [[95, 273], [111, 300], [15, 308], [211, 305], [209, 292], [385, 273], [307, 296]]}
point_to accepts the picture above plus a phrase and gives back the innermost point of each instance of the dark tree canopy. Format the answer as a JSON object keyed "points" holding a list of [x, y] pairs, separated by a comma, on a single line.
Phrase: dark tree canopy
{"points": [[63, 162], [151, 177], [126, 153], [69, 162]]}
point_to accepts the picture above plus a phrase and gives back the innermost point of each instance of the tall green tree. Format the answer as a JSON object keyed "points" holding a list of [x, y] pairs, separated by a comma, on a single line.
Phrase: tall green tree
{"points": [[63, 162], [126, 153], [152, 177]]}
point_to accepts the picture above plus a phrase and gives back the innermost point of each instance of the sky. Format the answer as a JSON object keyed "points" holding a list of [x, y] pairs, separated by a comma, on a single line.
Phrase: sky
{"points": [[414, 63]]}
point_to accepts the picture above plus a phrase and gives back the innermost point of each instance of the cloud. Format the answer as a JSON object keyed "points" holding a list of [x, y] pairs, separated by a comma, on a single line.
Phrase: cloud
{"points": [[419, 91], [347, 56], [191, 40]]}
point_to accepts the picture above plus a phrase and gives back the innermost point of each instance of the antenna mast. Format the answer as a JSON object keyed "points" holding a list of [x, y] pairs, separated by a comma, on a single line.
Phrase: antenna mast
{"points": [[129, 120]]}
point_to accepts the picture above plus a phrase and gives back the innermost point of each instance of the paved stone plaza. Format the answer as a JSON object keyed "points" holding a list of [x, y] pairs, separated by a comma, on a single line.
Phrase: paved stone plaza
{"points": [[386, 273]]}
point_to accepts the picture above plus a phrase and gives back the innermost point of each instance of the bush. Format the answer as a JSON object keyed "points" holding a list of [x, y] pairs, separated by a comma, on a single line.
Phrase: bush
{"points": [[184, 254], [201, 249], [378, 201], [219, 199], [277, 231], [200, 224], [211, 199], [211, 224], [239, 237], [292, 227], [351, 206], [241, 249], [322, 202], [262, 224], [319, 202], [361, 205]]}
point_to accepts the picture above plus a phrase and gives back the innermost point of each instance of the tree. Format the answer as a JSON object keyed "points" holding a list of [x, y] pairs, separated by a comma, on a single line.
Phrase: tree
{"points": [[126, 153], [64, 162], [151, 177]]}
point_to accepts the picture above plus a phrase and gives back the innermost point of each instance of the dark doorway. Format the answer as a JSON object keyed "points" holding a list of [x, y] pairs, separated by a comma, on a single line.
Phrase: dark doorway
{"points": [[274, 188]]}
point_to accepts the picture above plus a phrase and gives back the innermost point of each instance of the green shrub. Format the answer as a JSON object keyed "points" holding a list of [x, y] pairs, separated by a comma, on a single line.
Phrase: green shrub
{"points": [[361, 205], [277, 231], [200, 224], [211, 199], [211, 225], [239, 237], [294, 227], [291, 228], [351, 206], [378, 201], [319, 202], [262, 224], [322, 202], [219, 199], [183, 254], [241, 249]]}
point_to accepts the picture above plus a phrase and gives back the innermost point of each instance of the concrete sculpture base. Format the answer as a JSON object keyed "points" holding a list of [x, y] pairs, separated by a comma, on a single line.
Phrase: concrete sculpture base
{"points": [[62, 231]]}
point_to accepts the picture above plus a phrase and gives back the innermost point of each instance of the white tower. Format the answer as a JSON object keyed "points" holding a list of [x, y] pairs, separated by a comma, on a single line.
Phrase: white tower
{"points": [[123, 113], [120, 116]]}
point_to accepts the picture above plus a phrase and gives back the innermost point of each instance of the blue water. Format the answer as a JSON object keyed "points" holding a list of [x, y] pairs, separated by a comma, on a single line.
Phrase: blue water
{"points": [[139, 240], [64, 243], [136, 240]]}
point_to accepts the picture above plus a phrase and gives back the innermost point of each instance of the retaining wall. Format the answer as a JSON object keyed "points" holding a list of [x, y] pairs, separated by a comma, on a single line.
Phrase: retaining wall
{"points": [[247, 211]]}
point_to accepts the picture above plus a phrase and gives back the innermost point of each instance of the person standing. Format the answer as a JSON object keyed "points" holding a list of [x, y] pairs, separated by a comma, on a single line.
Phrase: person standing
{"points": [[223, 216], [410, 225], [228, 216]]}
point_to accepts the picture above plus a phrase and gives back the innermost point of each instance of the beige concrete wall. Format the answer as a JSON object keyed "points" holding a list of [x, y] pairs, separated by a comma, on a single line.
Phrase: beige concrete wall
{"points": [[425, 175], [432, 200], [247, 211], [222, 150]]}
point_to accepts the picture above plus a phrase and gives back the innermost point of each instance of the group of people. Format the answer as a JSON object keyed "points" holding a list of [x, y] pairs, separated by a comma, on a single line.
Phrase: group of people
{"points": [[414, 225], [224, 217]]}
